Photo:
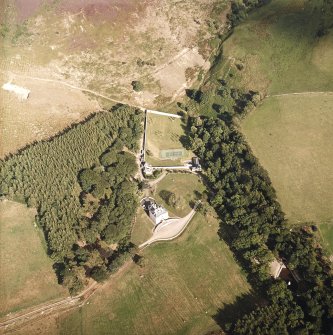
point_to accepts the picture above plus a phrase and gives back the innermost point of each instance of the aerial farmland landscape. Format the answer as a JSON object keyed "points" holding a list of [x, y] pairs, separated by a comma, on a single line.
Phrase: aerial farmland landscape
{"points": [[166, 167]]}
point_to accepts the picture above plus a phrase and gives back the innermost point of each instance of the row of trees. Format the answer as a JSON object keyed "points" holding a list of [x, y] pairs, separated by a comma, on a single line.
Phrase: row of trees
{"points": [[45, 176], [240, 9], [255, 226]]}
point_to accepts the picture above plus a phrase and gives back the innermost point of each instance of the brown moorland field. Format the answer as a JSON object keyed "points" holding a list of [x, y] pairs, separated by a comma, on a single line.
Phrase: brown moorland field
{"points": [[27, 277], [102, 46], [50, 108]]}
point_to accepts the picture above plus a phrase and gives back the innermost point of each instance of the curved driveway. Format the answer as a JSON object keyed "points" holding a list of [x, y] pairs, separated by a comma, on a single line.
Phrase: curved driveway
{"points": [[169, 229]]}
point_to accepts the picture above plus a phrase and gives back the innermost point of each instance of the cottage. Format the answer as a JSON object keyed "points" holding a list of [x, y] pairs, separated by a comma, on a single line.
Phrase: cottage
{"points": [[275, 268], [147, 169]]}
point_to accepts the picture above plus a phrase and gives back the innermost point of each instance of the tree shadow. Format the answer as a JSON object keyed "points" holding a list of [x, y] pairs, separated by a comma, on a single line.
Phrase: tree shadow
{"points": [[59, 270], [226, 315]]}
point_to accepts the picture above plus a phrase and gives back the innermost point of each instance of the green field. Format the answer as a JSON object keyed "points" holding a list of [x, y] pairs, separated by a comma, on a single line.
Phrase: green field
{"points": [[184, 186], [280, 50], [27, 277], [177, 290], [292, 136], [164, 133], [283, 52]]}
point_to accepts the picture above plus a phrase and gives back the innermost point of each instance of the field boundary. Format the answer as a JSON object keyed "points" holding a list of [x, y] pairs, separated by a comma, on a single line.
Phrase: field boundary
{"points": [[299, 93]]}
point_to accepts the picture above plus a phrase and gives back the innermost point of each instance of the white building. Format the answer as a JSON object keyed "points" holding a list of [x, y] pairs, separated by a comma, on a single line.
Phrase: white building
{"points": [[147, 169], [157, 213]]}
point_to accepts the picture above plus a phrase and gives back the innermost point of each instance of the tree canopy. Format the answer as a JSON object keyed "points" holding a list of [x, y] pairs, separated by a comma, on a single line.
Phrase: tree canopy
{"points": [[81, 182]]}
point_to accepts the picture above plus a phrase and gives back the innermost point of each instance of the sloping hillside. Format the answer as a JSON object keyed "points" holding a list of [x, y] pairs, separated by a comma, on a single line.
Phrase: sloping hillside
{"points": [[101, 46]]}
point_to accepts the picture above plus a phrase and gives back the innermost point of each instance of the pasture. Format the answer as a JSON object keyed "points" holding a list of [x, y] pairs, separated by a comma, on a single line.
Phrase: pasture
{"points": [[281, 49], [177, 290], [165, 133], [292, 137], [27, 277]]}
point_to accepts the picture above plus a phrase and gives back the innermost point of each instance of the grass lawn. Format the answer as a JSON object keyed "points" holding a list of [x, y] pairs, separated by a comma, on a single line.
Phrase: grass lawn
{"points": [[184, 186], [292, 137], [177, 290], [27, 277], [142, 229], [326, 232], [280, 50], [164, 133]]}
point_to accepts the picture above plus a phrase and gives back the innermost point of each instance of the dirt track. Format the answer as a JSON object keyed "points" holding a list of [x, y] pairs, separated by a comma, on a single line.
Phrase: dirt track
{"points": [[21, 318]]}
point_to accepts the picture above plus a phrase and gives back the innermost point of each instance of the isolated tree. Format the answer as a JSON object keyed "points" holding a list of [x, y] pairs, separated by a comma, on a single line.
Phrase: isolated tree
{"points": [[137, 85]]}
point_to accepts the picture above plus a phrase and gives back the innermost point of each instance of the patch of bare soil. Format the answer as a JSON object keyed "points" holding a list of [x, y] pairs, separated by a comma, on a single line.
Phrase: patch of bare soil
{"points": [[172, 77]]}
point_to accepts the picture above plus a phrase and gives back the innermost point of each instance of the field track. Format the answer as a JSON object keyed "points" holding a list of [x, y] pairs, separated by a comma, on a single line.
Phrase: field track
{"points": [[74, 87], [299, 93], [20, 319], [46, 309]]}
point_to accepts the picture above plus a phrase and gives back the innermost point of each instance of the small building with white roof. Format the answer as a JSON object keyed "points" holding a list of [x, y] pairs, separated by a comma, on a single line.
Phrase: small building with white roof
{"points": [[21, 92]]}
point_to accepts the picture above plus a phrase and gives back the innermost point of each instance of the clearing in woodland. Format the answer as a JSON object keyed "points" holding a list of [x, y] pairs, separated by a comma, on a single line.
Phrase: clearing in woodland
{"points": [[177, 289], [27, 277], [326, 232]]}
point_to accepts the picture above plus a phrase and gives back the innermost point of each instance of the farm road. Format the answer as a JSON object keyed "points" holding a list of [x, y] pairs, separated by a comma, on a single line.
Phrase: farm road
{"points": [[67, 303], [74, 87], [157, 180]]}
